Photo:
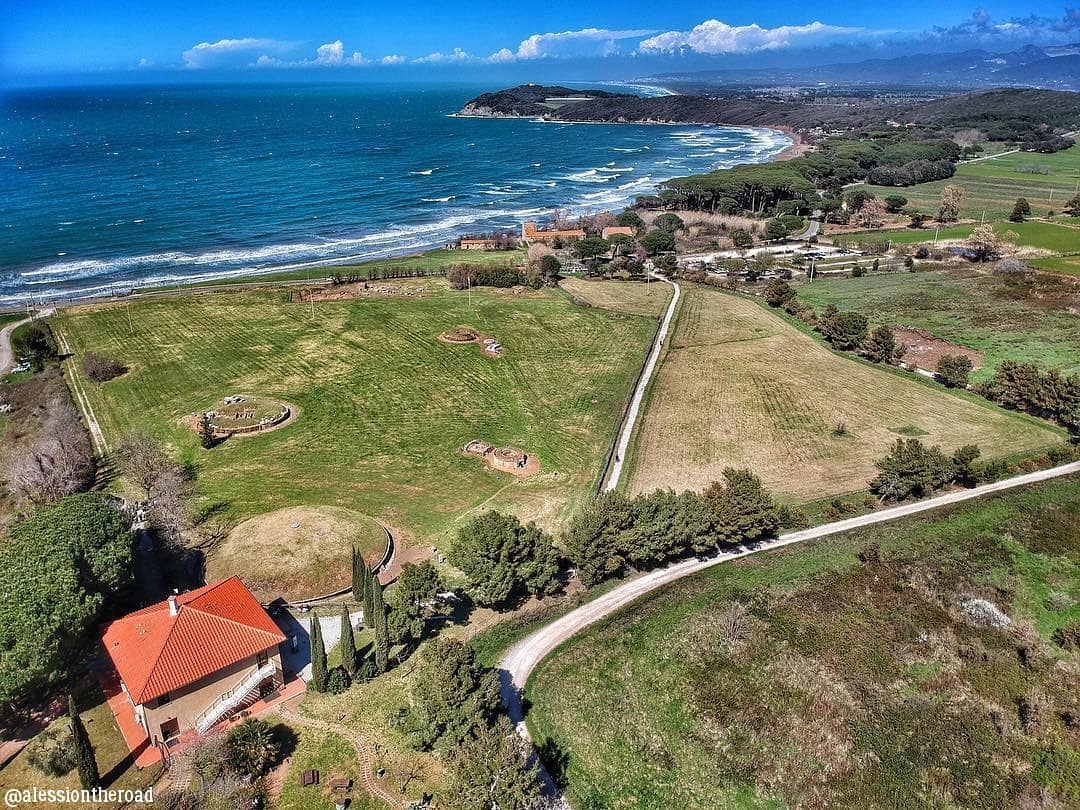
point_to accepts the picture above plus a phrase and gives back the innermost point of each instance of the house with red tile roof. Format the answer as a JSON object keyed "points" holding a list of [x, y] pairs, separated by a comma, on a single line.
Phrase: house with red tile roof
{"points": [[196, 658]]}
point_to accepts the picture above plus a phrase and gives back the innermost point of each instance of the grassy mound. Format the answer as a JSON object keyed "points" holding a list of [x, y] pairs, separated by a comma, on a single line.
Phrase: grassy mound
{"points": [[311, 559]]}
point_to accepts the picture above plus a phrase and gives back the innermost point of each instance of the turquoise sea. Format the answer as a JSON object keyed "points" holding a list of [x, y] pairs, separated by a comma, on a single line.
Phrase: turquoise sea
{"points": [[106, 189]]}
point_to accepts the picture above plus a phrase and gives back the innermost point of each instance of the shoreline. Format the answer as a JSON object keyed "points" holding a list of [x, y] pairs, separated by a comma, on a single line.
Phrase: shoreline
{"points": [[236, 279]]}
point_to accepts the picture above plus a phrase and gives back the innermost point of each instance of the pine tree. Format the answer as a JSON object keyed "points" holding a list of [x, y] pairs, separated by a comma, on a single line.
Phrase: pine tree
{"points": [[382, 636], [369, 603], [359, 575], [318, 656], [347, 645], [84, 752]]}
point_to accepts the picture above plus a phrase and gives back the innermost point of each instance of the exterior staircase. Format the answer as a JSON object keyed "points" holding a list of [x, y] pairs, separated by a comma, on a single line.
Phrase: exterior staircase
{"points": [[234, 698]]}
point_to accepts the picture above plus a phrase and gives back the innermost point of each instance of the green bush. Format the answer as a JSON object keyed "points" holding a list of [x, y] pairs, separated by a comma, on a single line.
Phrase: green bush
{"points": [[53, 751]]}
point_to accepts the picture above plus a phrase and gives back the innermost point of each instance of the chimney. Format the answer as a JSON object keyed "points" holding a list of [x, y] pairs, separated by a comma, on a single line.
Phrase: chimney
{"points": [[173, 607]]}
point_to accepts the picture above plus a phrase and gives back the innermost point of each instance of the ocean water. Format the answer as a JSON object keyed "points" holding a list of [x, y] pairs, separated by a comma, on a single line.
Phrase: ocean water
{"points": [[104, 190]]}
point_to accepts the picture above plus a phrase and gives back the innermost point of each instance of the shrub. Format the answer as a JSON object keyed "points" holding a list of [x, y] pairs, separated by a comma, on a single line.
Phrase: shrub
{"points": [[338, 681], [1068, 637], [953, 370], [251, 748], [53, 751], [100, 368]]}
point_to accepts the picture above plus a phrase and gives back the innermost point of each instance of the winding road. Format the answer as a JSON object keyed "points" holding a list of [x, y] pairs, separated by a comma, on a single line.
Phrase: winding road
{"points": [[521, 659], [643, 383], [6, 356]]}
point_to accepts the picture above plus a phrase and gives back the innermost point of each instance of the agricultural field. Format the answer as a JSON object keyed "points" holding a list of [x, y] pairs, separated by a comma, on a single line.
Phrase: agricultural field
{"points": [[992, 186], [383, 407], [741, 387], [631, 297], [845, 672], [968, 307]]}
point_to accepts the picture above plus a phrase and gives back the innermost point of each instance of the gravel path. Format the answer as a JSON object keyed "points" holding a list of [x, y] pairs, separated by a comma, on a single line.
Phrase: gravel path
{"points": [[643, 383], [364, 757]]}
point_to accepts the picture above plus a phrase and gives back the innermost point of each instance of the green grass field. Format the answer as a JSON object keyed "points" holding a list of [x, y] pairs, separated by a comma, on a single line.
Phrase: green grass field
{"points": [[992, 186], [963, 306], [1059, 238], [741, 387], [384, 407], [814, 677], [428, 261]]}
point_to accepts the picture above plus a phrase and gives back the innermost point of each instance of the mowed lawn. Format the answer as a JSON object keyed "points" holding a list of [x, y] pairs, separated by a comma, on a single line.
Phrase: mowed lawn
{"points": [[384, 407], [852, 679], [967, 307], [992, 186], [740, 387]]}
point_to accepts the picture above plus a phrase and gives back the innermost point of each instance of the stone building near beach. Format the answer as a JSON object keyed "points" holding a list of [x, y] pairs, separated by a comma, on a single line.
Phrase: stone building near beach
{"points": [[530, 233]]}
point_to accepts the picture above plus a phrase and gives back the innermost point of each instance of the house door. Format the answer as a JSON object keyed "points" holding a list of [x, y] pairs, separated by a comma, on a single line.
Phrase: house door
{"points": [[170, 730]]}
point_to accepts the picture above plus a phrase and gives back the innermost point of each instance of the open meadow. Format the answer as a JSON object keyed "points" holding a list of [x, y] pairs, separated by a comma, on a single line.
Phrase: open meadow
{"points": [[741, 387], [382, 406], [843, 672], [992, 186], [972, 308]]}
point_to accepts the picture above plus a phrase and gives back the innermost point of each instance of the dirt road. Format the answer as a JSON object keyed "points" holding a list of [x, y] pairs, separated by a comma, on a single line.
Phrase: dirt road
{"points": [[7, 360], [643, 383]]}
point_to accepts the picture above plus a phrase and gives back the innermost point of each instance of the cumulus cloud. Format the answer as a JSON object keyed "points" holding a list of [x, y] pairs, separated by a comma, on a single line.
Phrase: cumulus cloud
{"points": [[392, 59], [224, 51], [716, 37], [456, 55], [332, 54], [583, 43], [502, 55]]}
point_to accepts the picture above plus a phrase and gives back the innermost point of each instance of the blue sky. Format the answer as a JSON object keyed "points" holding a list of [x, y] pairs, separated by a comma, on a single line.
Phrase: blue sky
{"points": [[42, 38]]}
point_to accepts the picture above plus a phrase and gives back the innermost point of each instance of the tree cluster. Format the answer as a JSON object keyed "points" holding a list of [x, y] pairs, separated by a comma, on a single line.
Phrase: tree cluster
{"points": [[1025, 387], [456, 708], [615, 532], [462, 275], [913, 470], [62, 570], [35, 343], [504, 561]]}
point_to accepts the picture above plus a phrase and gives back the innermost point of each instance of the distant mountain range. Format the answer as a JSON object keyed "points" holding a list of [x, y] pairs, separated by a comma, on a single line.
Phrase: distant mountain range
{"points": [[1056, 67]]}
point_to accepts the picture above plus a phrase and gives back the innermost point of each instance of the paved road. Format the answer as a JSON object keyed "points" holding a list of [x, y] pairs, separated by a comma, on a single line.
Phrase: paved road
{"points": [[7, 360], [813, 227], [522, 658], [643, 383]]}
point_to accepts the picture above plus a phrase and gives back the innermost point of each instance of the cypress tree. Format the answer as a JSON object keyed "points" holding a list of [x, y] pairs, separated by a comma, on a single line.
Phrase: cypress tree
{"points": [[382, 636], [359, 575], [84, 751], [347, 645], [318, 656], [369, 601]]}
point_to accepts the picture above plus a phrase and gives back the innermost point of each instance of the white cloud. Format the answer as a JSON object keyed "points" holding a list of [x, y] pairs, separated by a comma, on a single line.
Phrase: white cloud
{"points": [[214, 54], [332, 54], [437, 58], [503, 55], [392, 59], [145, 63], [716, 37], [583, 43]]}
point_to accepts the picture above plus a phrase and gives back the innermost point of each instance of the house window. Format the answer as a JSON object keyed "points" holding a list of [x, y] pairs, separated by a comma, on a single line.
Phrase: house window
{"points": [[166, 698], [261, 659]]}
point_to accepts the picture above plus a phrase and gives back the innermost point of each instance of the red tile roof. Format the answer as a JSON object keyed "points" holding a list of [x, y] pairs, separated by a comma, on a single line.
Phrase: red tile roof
{"points": [[215, 627]]}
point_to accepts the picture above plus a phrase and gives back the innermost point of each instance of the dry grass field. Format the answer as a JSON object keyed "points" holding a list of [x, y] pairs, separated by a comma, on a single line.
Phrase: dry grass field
{"points": [[740, 387], [303, 551], [631, 297]]}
